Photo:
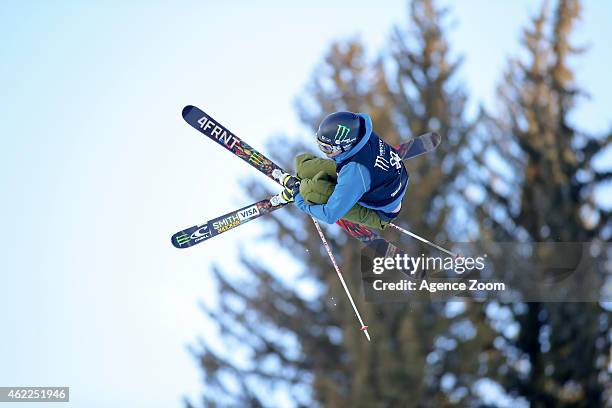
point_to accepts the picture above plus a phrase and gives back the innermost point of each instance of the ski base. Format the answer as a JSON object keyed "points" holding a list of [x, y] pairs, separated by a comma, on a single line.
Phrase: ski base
{"points": [[198, 233]]}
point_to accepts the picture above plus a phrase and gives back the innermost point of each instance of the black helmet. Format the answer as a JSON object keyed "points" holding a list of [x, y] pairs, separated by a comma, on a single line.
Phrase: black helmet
{"points": [[339, 131]]}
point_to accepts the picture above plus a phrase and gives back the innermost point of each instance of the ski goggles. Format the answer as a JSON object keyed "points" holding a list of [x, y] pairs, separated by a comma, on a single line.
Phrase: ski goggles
{"points": [[328, 148]]}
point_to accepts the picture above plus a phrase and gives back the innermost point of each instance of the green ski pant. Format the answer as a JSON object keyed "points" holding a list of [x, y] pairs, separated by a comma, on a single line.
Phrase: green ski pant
{"points": [[318, 180]]}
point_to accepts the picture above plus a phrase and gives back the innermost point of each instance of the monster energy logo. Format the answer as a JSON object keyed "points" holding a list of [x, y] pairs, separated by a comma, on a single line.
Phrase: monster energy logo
{"points": [[256, 158], [181, 239], [342, 133]]}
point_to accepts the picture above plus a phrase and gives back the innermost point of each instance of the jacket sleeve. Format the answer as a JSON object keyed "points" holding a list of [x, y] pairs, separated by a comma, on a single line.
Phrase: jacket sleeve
{"points": [[353, 182]]}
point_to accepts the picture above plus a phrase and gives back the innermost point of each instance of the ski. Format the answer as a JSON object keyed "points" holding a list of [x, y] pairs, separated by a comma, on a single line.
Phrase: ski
{"points": [[419, 145], [208, 126], [215, 131], [199, 233]]}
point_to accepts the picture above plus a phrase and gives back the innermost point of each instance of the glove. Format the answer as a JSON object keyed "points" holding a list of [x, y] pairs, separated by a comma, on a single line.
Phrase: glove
{"points": [[288, 195], [286, 179], [291, 184], [284, 197]]}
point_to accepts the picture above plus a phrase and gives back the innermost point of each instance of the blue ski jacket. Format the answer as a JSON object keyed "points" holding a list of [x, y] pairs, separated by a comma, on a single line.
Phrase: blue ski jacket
{"points": [[355, 180]]}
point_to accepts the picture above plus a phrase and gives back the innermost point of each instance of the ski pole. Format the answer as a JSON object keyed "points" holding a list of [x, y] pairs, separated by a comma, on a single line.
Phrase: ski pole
{"points": [[413, 235], [364, 328]]}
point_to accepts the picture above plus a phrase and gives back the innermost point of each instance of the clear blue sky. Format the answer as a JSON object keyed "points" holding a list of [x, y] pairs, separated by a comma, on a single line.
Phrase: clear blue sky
{"points": [[98, 169]]}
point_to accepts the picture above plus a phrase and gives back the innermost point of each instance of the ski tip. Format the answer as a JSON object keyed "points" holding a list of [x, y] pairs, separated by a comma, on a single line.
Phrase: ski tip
{"points": [[176, 238], [431, 140], [186, 110], [436, 138]]}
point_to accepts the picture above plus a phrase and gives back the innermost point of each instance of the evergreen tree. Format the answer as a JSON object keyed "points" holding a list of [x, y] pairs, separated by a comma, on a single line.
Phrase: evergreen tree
{"points": [[550, 162], [412, 89]]}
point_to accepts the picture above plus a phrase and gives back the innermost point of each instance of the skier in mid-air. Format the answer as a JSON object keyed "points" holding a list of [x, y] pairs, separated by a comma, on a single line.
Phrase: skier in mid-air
{"points": [[363, 180]]}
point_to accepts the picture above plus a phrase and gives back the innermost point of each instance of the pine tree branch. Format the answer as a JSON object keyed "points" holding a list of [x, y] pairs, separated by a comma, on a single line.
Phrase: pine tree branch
{"points": [[602, 177]]}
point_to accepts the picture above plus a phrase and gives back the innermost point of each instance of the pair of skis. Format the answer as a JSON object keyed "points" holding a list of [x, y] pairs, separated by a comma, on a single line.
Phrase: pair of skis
{"points": [[217, 132]]}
